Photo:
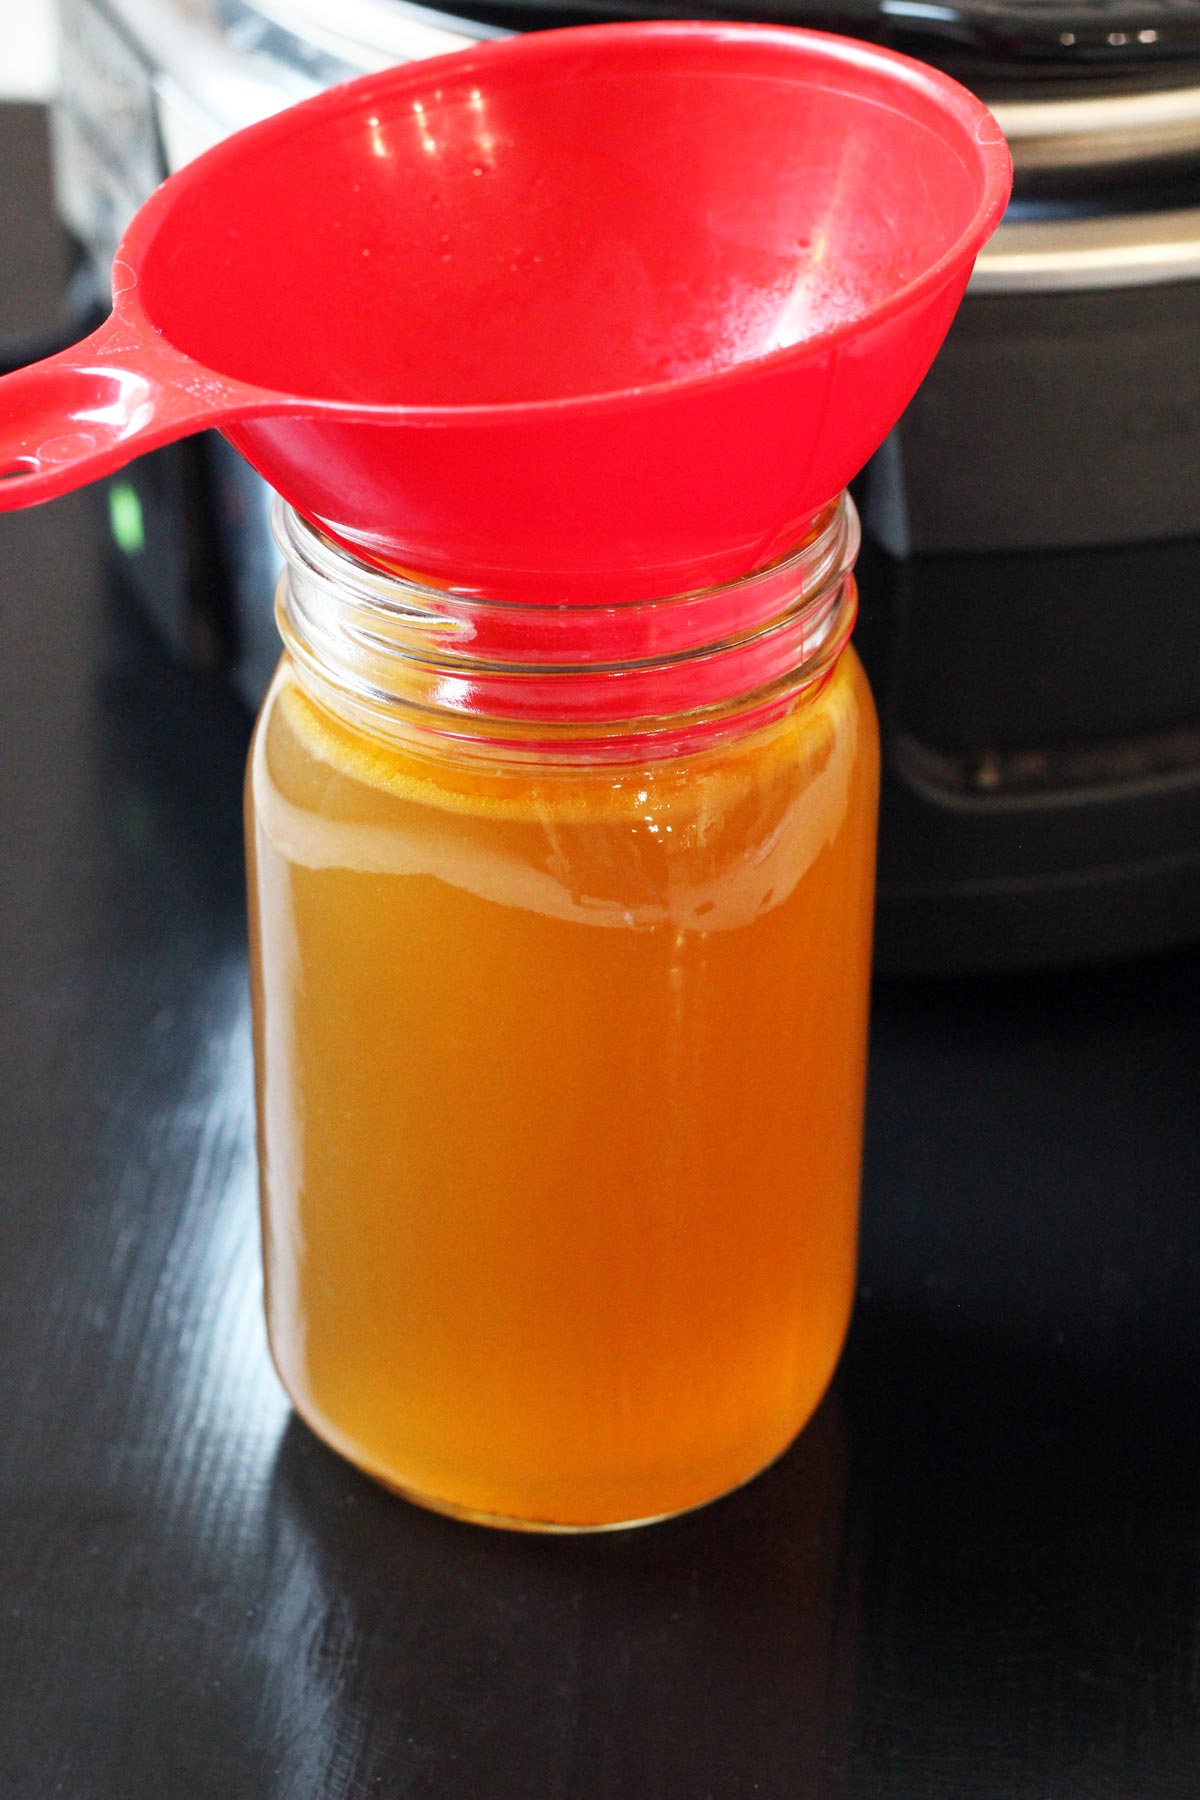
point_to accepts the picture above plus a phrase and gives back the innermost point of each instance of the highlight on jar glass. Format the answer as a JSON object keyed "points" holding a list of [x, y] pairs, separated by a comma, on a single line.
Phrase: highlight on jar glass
{"points": [[561, 966]]}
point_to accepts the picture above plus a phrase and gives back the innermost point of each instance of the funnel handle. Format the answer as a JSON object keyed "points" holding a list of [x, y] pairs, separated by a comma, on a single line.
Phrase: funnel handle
{"points": [[87, 410]]}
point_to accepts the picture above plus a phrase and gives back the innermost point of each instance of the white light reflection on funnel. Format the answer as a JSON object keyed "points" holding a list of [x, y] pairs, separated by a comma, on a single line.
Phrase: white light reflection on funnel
{"points": [[485, 140], [796, 317], [428, 142], [824, 292]]}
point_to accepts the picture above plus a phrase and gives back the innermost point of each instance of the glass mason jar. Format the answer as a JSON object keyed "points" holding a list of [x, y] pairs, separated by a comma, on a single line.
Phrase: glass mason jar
{"points": [[560, 930]]}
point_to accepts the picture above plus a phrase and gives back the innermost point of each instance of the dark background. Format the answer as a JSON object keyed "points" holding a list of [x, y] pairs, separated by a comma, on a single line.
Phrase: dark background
{"points": [[977, 1574]]}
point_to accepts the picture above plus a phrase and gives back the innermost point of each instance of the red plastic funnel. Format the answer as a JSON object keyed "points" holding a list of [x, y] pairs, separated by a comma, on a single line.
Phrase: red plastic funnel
{"points": [[591, 314]]}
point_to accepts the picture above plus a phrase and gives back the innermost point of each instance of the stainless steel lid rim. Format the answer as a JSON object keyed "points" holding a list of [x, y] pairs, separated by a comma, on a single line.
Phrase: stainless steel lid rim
{"points": [[1126, 250], [1073, 130], [1131, 250]]}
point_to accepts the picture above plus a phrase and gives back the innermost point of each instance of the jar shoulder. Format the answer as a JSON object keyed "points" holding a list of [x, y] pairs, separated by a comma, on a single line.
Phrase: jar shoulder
{"points": [[703, 842], [313, 759]]}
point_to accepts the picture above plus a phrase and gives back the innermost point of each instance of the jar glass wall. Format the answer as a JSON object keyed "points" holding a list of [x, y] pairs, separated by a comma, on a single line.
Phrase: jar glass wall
{"points": [[560, 998]]}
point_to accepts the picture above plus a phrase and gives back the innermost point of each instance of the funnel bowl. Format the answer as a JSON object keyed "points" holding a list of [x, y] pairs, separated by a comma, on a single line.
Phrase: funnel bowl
{"points": [[588, 315]]}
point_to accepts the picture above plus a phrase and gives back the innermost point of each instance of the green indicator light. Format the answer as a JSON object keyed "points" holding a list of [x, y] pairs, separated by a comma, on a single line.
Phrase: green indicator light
{"points": [[125, 518]]}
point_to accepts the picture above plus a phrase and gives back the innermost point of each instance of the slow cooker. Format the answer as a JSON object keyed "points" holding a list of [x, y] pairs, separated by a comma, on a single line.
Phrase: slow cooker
{"points": [[1032, 558]]}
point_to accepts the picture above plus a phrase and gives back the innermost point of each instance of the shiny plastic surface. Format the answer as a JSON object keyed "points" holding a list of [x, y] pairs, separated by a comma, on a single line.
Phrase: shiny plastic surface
{"points": [[594, 314]]}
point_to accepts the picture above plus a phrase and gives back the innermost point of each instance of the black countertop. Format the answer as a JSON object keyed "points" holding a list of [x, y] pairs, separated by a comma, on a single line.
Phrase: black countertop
{"points": [[976, 1574]]}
